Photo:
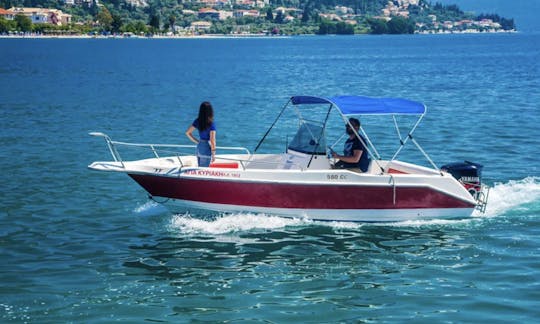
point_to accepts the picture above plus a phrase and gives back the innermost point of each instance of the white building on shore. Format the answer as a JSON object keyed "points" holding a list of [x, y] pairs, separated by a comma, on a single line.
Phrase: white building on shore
{"points": [[43, 16]]}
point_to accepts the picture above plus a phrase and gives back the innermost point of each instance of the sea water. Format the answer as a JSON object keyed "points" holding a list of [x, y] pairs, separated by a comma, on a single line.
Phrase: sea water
{"points": [[83, 246]]}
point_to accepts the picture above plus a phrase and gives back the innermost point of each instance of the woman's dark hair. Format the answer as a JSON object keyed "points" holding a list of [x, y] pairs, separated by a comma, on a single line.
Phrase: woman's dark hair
{"points": [[206, 115]]}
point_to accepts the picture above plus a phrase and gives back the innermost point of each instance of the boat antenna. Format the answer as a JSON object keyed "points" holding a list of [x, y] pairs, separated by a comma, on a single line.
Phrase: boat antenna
{"points": [[274, 123]]}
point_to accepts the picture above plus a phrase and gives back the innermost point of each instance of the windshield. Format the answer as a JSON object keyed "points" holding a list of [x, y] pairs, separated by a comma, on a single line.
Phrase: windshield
{"points": [[307, 137]]}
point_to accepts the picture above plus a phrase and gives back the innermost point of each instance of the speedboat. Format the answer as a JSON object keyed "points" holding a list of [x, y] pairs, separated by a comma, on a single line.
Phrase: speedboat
{"points": [[301, 181]]}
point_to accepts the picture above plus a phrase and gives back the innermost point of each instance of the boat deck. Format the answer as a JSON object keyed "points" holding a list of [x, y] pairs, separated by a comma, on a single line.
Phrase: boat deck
{"points": [[260, 162]]}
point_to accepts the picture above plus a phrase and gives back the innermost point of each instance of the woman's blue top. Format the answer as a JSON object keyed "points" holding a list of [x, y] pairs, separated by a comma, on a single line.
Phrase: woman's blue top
{"points": [[204, 134]]}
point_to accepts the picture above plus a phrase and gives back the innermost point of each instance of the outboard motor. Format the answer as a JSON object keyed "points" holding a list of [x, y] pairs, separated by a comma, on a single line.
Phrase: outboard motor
{"points": [[468, 173]]}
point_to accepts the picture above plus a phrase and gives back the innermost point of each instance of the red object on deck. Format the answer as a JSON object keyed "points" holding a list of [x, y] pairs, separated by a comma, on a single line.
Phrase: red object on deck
{"points": [[394, 171], [224, 165]]}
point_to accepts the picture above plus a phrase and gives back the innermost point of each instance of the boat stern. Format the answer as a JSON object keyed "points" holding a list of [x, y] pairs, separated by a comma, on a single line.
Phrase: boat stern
{"points": [[469, 175]]}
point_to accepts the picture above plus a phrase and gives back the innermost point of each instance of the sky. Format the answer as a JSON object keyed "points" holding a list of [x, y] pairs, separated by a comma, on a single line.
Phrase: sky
{"points": [[524, 12]]}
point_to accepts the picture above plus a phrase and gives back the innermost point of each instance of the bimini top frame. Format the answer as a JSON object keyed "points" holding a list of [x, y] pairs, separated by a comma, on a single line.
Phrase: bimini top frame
{"points": [[348, 106], [360, 105]]}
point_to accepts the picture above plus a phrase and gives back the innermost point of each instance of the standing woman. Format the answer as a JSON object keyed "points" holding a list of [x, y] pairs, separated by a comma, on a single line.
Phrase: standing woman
{"points": [[206, 144]]}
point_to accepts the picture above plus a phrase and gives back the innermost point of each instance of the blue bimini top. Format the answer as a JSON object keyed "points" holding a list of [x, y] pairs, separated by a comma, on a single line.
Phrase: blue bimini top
{"points": [[360, 105]]}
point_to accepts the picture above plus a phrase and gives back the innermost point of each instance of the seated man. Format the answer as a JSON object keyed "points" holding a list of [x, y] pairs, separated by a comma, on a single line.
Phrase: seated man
{"points": [[355, 154]]}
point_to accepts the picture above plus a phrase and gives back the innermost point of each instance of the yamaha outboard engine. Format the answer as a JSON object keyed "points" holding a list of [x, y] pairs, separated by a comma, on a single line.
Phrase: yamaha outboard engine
{"points": [[468, 173]]}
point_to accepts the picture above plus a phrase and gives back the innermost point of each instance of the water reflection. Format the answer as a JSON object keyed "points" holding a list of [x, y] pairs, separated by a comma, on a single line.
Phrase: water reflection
{"points": [[312, 249], [343, 269]]}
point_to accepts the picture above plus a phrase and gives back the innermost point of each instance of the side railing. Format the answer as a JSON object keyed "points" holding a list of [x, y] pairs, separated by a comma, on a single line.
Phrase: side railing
{"points": [[163, 149]]}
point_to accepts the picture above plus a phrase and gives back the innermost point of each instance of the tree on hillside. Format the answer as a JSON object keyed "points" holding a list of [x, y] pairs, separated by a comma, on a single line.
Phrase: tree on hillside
{"points": [[5, 25], [400, 25], [8, 3], [92, 8], [154, 21], [172, 21], [269, 14], [326, 27], [105, 18], [340, 28], [23, 23], [307, 13], [279, 17], [378, 26], [116, 23], [137, 27]]}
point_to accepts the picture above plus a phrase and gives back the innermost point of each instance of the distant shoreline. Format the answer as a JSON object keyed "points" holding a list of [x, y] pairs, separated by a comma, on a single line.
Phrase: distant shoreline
{"points": [[82, 36], [216, 36]]}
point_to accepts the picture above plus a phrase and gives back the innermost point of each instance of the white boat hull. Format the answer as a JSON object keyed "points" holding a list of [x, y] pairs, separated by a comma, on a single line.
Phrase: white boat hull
{"points": [[331, 195], [402, 192]]}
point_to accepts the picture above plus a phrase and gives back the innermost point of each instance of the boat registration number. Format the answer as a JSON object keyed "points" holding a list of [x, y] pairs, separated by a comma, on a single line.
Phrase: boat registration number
{"points": [[336, 177]]}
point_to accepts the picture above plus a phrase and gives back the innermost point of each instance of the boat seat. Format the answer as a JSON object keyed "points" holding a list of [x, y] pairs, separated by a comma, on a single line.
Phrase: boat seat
{"points": [[370, 169], [187, 163]]}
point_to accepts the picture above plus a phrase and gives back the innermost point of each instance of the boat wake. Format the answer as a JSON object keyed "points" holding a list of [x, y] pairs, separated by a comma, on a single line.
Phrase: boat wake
{"points": [[231, 223], [512, 195], [503, 199], [150, 208]]}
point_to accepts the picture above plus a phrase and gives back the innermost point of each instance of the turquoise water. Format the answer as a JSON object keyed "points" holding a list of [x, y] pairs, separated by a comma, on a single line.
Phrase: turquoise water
{"points": [[82, 246]]}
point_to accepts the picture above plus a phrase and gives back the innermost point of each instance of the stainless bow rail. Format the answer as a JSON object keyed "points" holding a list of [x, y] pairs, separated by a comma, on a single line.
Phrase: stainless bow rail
{"points": [[162, 148], [169, 150]]}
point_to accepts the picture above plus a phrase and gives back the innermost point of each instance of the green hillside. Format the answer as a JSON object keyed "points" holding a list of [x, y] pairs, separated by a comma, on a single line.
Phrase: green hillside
{"points": [[256, 17]]}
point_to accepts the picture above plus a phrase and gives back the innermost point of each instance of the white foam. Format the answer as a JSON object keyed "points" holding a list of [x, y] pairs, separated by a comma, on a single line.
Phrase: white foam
{"points": [[503, 197], [231, 223], [150, 208], [427, 222], [511, 195], [241, 223]]}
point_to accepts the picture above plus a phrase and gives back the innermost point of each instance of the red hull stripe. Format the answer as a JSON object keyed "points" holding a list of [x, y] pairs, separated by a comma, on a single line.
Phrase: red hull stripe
{"points": [[287, 195]]}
